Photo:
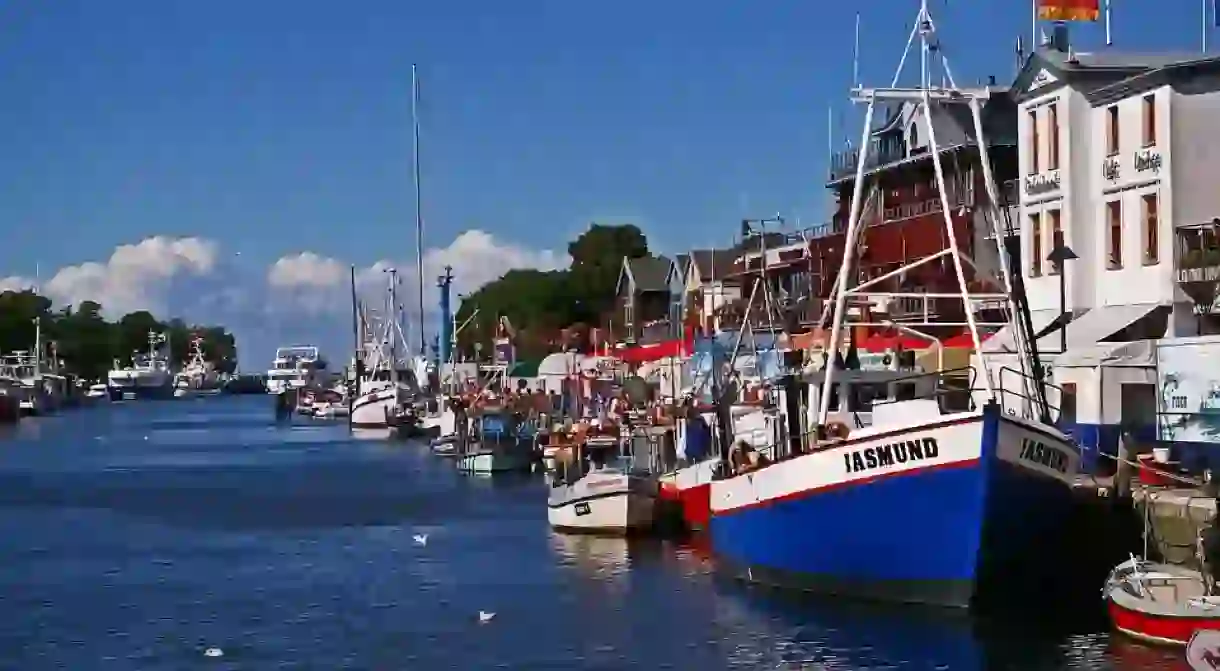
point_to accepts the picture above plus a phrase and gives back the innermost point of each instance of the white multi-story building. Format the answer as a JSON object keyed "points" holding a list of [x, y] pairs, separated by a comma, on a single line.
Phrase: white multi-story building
{"points": [[1117, 153], [1119, 161]]}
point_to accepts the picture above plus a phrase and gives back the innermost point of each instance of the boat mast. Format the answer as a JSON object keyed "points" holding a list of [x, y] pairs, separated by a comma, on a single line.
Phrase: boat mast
{"points": [[392, 326], [923, 100], [419, 212], [37, 324]]}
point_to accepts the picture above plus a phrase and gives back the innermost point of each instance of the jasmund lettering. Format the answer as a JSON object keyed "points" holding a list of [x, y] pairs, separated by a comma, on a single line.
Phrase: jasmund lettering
{"points": [[888, 455], [1033, 451]]}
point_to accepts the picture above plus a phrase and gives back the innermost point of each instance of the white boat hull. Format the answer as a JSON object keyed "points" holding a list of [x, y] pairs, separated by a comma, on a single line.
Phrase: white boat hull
{"points": [[493, 461], [620, 506], [375, 410]]}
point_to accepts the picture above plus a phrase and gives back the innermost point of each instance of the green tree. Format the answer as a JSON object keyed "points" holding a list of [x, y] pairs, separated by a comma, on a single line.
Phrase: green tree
{"points": [[540, 305], [88, 344]]}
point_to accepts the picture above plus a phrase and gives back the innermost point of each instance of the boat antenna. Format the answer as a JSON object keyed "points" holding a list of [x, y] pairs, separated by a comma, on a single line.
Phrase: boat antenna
{"points": [[419, 211], [923, 98]]}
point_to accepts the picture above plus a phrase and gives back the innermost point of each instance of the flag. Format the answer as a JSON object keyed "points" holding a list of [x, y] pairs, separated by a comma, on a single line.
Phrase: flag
{"points": [[1068, 10]]}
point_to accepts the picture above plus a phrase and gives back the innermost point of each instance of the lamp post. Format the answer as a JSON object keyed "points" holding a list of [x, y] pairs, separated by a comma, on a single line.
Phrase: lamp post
{"points": [[1058, 258]]}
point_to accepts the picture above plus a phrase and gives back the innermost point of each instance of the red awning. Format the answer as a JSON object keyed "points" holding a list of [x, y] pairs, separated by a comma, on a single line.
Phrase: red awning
{"points": [[880, 342], [653, 351], [964, 340]]}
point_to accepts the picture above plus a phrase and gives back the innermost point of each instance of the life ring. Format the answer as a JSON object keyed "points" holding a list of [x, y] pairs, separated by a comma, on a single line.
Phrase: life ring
{"points": [[837, 430]]}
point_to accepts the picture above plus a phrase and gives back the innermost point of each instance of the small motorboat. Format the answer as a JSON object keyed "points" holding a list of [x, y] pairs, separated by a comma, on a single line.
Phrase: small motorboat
{"points": [[1161, 604]]}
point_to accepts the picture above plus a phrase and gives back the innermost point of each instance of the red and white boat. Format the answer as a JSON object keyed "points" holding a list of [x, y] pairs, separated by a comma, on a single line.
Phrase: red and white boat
{"points": [[690, 489], [1160, 604]]}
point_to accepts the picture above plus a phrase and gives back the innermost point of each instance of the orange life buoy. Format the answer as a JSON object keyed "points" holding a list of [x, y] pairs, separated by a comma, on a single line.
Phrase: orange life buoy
{"points": [[837, 430]]}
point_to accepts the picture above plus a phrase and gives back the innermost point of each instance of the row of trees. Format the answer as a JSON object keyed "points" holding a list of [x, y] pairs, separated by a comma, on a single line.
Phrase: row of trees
{"points": [[541, 305], [88, 344]]}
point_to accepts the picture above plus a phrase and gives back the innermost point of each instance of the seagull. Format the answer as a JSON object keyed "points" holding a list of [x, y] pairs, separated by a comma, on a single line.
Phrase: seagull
{"points": [[485, 617], [421, 539], [213, 652]]}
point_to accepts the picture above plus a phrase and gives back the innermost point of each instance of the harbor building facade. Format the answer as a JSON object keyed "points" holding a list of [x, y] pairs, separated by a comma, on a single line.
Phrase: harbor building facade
{"points": [[1117, 159]]}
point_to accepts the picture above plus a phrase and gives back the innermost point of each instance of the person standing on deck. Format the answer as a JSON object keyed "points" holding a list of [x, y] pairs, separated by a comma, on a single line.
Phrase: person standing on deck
{"points": [[698, 437]]}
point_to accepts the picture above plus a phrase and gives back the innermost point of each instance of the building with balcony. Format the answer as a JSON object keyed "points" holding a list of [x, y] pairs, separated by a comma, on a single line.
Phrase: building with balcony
{"points": [[903, 216], [1117, 155], [701, 283], [644, 300]]}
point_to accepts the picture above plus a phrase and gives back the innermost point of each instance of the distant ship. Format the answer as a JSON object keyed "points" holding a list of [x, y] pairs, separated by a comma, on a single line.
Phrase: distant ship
{"points": [[149, 375]]}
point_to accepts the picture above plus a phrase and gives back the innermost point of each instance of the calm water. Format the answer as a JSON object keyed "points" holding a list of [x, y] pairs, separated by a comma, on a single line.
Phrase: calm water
{"points": [[137, 536]]}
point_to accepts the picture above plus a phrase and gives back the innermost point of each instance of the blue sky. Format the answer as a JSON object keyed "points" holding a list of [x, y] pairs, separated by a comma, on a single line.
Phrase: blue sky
{"points": [[272, 127]]}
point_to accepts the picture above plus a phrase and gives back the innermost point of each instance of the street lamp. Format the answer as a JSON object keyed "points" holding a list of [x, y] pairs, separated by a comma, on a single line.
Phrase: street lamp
{"points": [[1058, 258]]}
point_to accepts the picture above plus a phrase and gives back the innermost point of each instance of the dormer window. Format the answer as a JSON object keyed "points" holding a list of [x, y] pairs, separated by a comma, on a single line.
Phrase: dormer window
{"points": [[913, 139]]}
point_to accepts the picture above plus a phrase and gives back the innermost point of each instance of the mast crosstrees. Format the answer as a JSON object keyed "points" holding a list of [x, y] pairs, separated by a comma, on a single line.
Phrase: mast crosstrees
{"points": [[924, 98]]}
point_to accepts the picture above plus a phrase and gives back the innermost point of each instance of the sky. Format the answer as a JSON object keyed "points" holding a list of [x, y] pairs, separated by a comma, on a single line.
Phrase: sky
{"points": [[227, 162]]}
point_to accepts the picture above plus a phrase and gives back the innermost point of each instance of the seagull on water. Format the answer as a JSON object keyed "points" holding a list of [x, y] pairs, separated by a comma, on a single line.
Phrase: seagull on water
{"points": [[213, 652], [421, 539], [485, 617]]}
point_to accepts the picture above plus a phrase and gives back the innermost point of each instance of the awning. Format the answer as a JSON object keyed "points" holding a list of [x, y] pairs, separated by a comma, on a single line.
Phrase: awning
{"points": [[654, 351], [1136, 354], [1094, 326], [1003, 340]]}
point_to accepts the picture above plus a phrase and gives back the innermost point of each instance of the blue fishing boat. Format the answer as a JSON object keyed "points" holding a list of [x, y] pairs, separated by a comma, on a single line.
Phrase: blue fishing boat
{"points": [[911, 495]]}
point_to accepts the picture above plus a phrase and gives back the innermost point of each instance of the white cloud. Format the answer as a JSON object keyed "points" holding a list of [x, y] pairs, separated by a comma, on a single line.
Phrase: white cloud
{"points": [[318, 284], [135, 277], [303, 296], [15, 283]]}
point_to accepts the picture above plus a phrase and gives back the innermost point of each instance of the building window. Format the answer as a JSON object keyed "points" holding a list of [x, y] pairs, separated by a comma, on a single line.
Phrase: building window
{"points": [[1056, 226], [1033, 142], [1035, 245], [1114, 234], [1112, 130], [1052, 137], [1150, 120], [1152, 243]]}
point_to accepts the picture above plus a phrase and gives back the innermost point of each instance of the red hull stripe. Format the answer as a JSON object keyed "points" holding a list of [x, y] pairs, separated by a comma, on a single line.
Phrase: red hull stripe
{"points": [[1162, 629]]}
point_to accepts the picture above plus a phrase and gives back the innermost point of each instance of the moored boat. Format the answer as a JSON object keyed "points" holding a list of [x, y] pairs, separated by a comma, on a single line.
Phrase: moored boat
{"points": [[1162, 604], [903, 493], [593, 495], [492, 443]]}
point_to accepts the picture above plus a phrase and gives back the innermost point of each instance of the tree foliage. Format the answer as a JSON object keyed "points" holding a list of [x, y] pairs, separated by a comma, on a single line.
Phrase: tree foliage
{"points": [[539, 305], [88, 344]]}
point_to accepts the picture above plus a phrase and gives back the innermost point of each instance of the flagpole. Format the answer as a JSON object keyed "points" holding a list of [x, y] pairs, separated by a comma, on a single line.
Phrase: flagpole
{"points": [[1033, 26], [1206, 19], [1109, 37]]}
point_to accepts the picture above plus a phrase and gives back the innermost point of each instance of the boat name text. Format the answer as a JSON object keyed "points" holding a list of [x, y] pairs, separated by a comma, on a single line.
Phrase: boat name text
{"points": [[883, 456], [1038, 453]]}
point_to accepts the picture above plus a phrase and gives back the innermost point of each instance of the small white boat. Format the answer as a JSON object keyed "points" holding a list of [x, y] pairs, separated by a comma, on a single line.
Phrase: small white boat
{"points": [[493, 445], [600, 499], [98, 391], [603, 501]]}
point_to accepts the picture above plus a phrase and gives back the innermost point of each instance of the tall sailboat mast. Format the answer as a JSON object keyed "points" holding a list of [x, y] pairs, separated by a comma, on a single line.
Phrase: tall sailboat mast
{"points": [[419, 212]]}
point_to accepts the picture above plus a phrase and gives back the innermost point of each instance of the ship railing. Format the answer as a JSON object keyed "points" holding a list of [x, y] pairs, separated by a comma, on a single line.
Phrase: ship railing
{"points": [[952, 389], [1019, 402]]}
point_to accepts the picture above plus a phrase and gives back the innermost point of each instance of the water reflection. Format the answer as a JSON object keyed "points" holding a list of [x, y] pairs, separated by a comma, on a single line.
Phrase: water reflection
{"points": [[593, 557]]}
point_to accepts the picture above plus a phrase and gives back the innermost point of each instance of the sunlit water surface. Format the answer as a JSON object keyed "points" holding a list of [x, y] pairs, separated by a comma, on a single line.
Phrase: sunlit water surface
{"points": [[137, 536]]}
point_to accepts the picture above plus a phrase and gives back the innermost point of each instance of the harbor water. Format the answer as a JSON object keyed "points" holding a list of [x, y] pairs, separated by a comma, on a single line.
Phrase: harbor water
{"points": [[139, 535]]}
